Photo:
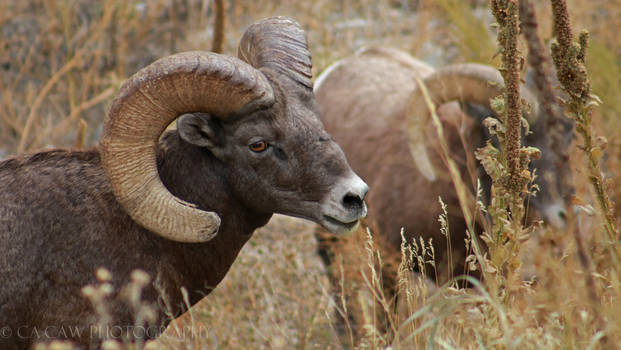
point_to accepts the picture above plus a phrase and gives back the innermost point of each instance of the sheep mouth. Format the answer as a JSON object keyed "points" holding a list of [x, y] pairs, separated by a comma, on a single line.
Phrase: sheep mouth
{"points": [[339, 226]]}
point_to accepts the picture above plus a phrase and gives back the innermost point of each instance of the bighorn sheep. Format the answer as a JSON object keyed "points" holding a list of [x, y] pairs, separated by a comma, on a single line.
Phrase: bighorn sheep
{"points": [[249, 143], [364, 101]]}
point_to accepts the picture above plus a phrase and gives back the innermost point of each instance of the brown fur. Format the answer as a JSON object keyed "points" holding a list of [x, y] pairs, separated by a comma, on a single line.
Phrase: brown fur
{"points": [[369, 122], [362, 102], [64, 222], [59, 220]]}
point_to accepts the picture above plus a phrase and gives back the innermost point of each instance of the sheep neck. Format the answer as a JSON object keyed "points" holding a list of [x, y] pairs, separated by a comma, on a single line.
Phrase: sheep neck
{"points": [[201, 266]]}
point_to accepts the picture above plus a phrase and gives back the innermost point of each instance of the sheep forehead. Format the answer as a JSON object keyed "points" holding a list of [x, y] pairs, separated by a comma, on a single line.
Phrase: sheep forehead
{"points": [[300, 125]]}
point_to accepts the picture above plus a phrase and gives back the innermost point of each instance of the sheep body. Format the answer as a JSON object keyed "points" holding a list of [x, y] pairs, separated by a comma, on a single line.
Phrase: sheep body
{"points": [[364, 102], [369, 122], [70, 224], [248, 144]]}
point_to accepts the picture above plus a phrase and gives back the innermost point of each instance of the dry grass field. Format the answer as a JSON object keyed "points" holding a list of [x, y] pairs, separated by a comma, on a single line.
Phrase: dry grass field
{"points": [[61, 62]]}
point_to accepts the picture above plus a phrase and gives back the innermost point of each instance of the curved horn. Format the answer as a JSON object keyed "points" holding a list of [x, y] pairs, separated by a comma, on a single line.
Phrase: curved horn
{"points": [[278, 43], [146, 104], [470, 82]]}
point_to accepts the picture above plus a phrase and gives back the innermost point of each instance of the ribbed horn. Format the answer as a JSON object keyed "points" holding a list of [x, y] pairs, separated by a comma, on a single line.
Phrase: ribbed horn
{"points": [[146, 104], [278, 43], [474, 83]]}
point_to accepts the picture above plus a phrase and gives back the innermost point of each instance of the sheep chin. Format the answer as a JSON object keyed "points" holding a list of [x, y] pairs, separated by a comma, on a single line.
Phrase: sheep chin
{"points": [[339, 227]]}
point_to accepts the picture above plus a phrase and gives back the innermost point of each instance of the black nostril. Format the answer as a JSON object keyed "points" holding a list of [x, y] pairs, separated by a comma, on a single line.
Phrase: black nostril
{"points": [[352, 201]]}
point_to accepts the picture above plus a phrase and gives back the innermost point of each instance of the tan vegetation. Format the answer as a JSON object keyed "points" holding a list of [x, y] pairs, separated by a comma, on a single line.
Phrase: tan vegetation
{"points": [[61, 62]]}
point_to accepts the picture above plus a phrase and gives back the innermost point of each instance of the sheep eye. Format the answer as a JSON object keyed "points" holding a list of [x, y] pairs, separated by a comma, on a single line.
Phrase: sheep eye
{"points": [[258, 146]]}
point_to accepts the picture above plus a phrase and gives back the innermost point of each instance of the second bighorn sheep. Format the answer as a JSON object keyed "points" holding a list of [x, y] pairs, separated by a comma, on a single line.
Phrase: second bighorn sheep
{"points": [[364, 101], [249, 143]]}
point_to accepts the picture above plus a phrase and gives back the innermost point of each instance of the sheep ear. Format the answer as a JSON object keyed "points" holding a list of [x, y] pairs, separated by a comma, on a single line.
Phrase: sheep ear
{"points": [[200, 129]]}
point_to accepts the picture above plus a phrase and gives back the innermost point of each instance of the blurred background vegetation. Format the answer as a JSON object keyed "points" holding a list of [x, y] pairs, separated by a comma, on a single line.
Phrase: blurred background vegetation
{"points": [[61, 62]]}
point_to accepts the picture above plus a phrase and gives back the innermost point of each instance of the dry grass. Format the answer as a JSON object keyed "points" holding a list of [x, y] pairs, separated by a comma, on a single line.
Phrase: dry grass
{"points": [[276, 296], [62, 61]]}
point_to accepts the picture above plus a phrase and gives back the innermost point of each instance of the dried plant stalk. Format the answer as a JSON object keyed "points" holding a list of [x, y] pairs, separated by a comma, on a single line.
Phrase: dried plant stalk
{"points": [[507, 167], [541, 65], [570, 62], [548, 102], [506, 14], [217, 44]]}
